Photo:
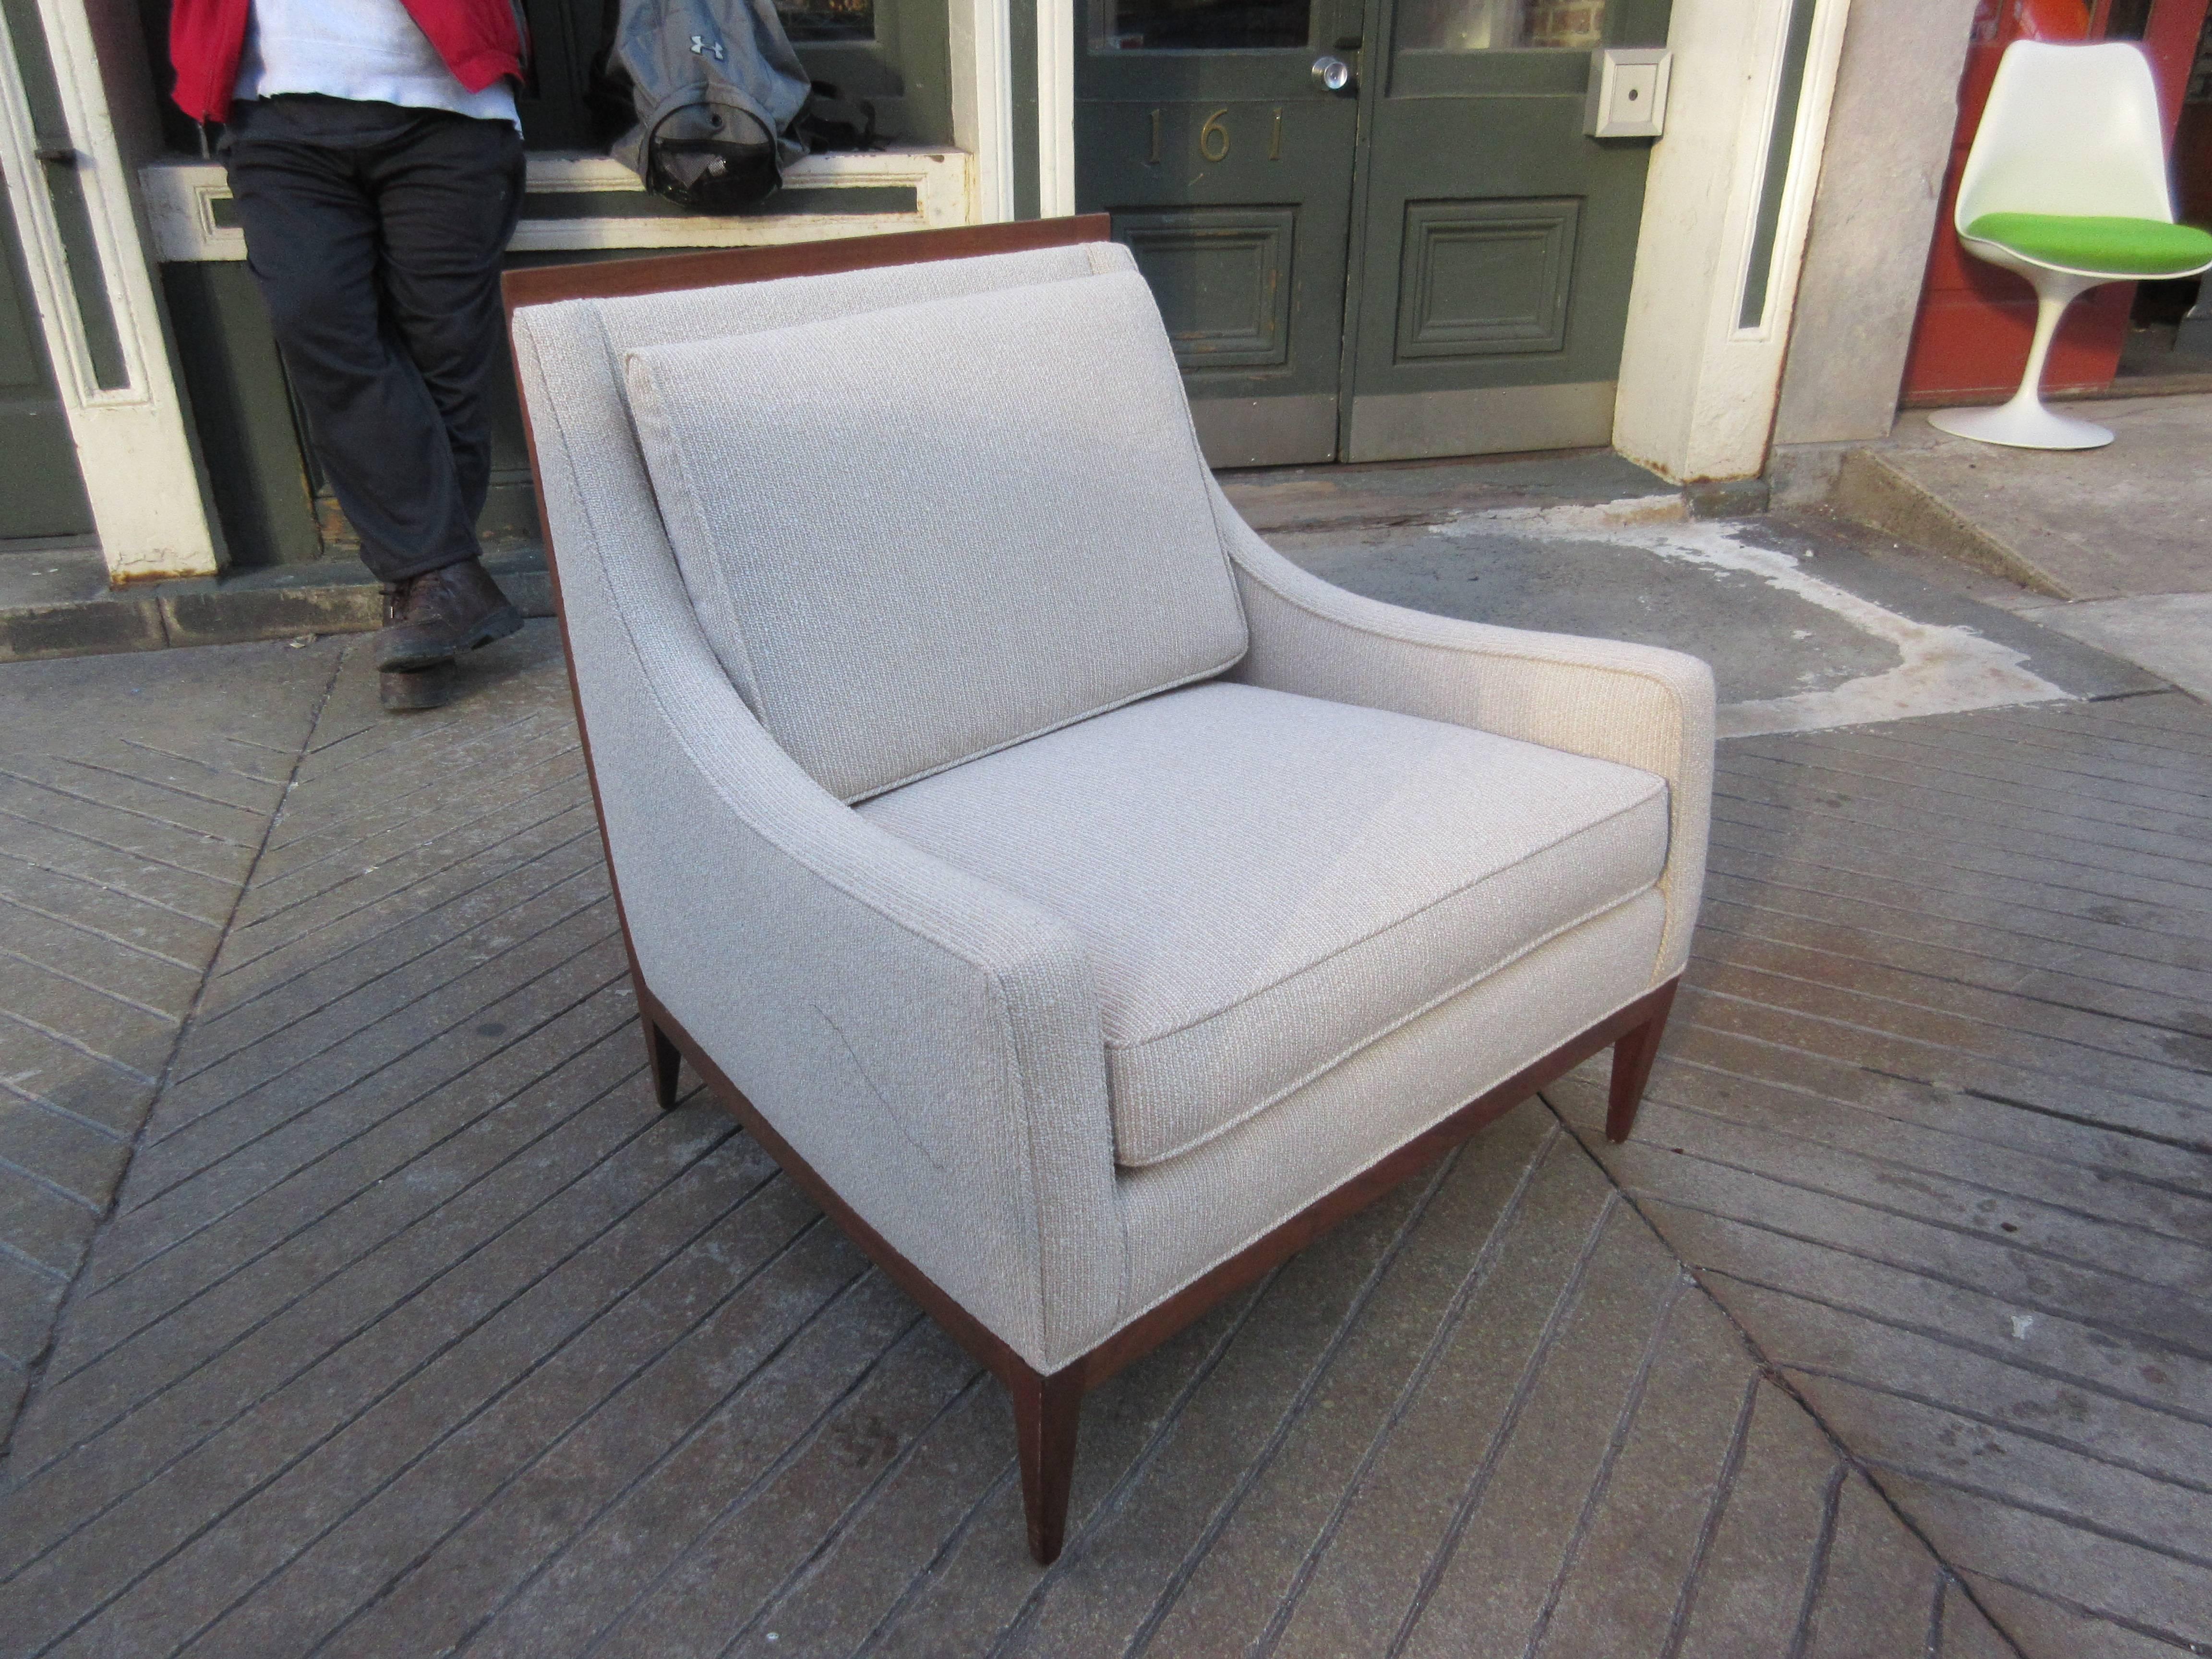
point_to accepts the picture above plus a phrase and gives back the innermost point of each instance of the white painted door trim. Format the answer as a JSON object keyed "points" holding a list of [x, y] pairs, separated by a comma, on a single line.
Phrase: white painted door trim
{"points": [[182, 200], [1698, 388], [983, 102], [1057, 35], [133, 443]]}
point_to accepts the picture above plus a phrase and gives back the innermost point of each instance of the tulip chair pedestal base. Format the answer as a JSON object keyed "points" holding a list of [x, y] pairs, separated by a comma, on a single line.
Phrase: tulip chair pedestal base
{"points": [[1046, 1409], [2022, 424]]}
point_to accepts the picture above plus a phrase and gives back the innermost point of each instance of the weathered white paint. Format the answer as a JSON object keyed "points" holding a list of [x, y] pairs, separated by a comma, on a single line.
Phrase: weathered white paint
{"points": [[181, 200], [1057, 34], [1873, 215], [1698, 390], [133, 443], [983, 103]]}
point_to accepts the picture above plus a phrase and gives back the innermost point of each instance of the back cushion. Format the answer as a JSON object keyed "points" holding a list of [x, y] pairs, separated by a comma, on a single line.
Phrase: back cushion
{"points": [[934, 531]]}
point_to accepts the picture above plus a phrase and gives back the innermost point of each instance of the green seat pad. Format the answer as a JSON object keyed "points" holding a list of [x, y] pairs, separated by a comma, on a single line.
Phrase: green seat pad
{"points": [[2126, 247]]}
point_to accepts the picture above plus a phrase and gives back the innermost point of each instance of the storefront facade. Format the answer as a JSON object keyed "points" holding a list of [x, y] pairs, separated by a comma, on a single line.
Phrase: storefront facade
{"points": [[1379, 229]]}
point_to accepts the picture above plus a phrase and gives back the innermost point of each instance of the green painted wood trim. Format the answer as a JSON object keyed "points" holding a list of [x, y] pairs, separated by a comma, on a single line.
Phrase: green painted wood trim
{"points": [[1022, 66], [41, 489], [242, 411]]}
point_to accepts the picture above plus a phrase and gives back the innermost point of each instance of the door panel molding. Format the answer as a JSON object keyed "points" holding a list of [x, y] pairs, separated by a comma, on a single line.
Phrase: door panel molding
{"points": [[1411, 425], [1483, 278], [1228, 171], [1220, 276]]}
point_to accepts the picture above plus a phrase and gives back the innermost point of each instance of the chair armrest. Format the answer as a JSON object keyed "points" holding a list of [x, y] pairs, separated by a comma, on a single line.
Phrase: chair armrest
{"points": [[930, 1044], [1635, 704]]}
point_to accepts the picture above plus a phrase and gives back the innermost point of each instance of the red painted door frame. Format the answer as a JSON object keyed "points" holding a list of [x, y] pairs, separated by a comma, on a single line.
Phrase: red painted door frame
{"points": [[1970, 341], [2192, 154]]}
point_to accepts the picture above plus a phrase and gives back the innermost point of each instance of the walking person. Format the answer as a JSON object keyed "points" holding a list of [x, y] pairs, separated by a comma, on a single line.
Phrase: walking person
{"points": [[376, 159]]}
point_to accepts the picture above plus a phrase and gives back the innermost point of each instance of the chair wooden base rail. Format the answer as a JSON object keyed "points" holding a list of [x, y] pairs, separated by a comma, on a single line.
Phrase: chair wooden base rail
{"points": [[1046, 1409]]}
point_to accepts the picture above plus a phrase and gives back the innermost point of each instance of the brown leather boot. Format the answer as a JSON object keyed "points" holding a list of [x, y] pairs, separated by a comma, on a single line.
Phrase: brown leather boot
{"points": [[435, 617], [404, 689]]}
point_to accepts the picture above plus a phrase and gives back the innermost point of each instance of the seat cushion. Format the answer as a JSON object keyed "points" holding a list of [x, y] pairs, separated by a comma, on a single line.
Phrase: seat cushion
{"points": [[942, 528], [1268, 883], [2126, 247]]}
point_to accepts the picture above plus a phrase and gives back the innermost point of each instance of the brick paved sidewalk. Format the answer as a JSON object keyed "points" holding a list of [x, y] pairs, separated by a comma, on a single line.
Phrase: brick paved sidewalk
{"points": [[417, 1328]]}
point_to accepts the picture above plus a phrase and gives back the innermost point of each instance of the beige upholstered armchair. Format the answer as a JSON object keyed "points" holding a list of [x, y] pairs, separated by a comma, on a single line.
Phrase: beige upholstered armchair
{"points": [[1086, 905]]}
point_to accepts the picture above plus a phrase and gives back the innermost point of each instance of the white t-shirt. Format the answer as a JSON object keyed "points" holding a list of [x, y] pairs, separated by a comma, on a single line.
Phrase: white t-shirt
{"points": [[363, 49]]}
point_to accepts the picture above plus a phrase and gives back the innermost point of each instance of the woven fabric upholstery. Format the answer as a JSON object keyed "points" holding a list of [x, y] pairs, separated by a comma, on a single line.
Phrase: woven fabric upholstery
{"points": [[930, 1041], [1267, 882], [1191, 1212], [927, 1043], [909, 588], [1636, 704], [692, 315]]}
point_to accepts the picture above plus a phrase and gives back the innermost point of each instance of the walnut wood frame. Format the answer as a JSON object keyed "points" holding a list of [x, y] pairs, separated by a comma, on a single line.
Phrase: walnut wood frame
{"points": [[1046, 1408]]}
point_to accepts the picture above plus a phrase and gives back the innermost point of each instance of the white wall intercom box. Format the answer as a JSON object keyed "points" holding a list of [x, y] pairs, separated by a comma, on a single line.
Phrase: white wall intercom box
{"points": [[1627, 92]]}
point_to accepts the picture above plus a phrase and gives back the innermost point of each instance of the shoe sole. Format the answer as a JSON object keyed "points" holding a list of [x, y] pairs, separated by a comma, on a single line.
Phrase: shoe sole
{"points": [[402, 688], [496, 625]]}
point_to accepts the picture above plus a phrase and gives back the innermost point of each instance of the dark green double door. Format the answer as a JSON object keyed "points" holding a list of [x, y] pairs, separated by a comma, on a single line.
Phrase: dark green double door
{"points": [[1425, 259]]}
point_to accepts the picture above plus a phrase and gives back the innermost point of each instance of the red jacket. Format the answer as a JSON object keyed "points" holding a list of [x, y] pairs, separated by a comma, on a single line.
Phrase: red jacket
{"points": [[480, 41]]}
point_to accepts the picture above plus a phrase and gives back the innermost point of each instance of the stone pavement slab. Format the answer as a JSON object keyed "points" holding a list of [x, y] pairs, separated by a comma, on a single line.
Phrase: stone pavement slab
{"points": [[2169, 634], [417, 1328]]}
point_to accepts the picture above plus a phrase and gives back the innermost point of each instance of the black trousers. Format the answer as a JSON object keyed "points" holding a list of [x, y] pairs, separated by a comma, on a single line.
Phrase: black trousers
{"points": [[375, 233]]}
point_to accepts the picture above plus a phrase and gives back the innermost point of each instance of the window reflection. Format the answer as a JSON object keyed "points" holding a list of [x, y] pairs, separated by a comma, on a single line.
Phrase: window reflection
{"points": [[1197, 25], [1501, 25], [828, 20]]}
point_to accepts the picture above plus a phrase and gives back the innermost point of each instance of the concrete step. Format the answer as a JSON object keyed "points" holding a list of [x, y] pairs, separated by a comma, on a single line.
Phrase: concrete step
{"points": [[56, 602], [2093, 524]]}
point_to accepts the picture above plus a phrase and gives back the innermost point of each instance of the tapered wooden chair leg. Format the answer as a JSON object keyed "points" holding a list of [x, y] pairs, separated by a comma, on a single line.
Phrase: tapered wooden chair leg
{"points": [[662, 1057], [1631, 1066], [1046, 1411]]}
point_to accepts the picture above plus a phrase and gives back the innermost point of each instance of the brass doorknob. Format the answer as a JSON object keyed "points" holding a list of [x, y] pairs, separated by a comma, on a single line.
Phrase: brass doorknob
{"points": [[1333, 74]]}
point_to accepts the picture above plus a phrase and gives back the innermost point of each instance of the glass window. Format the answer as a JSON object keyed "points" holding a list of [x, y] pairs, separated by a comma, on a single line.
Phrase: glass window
{"points": [[828, 20], [1197, 25], [1500, 25]]}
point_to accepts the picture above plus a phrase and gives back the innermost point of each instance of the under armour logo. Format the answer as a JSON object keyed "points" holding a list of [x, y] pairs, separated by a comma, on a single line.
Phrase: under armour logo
{"points": [[700, 47]]}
